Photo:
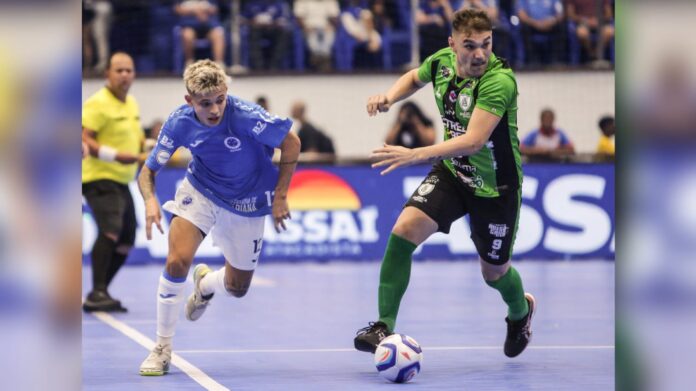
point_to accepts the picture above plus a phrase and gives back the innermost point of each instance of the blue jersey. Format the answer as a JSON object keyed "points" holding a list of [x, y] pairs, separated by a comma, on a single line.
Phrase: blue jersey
{"points": [[231, 162]]}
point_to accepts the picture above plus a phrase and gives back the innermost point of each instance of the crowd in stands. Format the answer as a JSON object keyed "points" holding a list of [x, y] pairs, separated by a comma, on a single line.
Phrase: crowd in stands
{"points": [[326, 35]]}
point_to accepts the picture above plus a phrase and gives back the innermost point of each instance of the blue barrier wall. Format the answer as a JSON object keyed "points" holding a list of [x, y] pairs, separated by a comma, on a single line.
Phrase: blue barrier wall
{"points": [[347, 213]]}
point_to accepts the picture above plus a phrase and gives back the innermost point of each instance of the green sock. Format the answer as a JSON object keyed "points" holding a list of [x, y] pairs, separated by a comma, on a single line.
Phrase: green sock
{"points": [[510, 287], [393, 278]]}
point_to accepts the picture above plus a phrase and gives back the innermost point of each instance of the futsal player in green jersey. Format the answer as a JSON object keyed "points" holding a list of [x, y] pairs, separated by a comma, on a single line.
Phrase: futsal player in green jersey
{"points": [[476, 171]]}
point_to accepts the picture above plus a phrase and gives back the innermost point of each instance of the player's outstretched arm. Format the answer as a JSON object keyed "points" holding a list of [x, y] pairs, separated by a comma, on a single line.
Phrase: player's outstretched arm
{"points": [[146, 183], [479, 131], [407, 84], [289, 153]]}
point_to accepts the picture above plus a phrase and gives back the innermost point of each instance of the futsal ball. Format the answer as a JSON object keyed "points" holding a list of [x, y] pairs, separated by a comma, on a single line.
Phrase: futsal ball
{"points": [[398, 358]]}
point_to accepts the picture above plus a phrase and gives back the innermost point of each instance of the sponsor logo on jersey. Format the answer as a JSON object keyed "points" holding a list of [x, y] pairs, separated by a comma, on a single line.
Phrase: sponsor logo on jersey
{"points": [[453, 126], [242, 106], [166, 141], [233, 144], [163, 157], [260, 127], [452, 96], [498, 230], [420, 199], [464, 167], [196, 143], [474, 182], [188, 200], [244, 205]]}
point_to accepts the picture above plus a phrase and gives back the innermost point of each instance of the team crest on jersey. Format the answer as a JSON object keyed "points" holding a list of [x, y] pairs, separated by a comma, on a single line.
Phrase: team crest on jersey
{"points": [[425, 189], [233, 144], [445, 72], [465, 102]]}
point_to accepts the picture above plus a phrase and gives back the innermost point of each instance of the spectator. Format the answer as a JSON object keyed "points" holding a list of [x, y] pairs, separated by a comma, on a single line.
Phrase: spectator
{"points": [[318, 19], [585, 14], [547, 140], [111, 129], [606, 140], [501, 31], [315, 145], [96, 23], [542, 18], [433, 18], [262, 101], [199, 19], [412, 128], [359, 23], [269, 20]]}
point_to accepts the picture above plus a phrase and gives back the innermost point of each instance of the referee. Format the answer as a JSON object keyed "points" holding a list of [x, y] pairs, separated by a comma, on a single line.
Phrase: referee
{"points": [[112, 132]]}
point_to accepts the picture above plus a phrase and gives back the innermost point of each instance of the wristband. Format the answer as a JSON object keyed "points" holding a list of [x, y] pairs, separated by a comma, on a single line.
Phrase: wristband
{"points": [[107, 153]]}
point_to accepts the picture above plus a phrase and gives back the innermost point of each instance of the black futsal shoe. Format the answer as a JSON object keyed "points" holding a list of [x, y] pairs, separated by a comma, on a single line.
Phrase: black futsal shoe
{"points": [[519, 332], [369, 337], [100, 300]]}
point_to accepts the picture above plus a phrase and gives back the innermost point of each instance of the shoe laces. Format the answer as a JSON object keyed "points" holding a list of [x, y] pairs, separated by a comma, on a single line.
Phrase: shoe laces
{"points": [[158, 350], [374, 327]]}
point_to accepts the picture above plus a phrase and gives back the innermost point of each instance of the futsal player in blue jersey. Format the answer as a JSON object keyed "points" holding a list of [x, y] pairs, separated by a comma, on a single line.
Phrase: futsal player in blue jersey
{"points": [[230, 185]]}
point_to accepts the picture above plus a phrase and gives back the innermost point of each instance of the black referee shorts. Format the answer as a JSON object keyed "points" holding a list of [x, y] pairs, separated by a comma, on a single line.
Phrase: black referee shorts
{"points": [[113, 209], [492, 220]]}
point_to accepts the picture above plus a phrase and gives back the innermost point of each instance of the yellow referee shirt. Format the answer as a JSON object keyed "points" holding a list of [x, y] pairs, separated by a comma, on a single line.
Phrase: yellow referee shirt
{"points": [[117, 125]]}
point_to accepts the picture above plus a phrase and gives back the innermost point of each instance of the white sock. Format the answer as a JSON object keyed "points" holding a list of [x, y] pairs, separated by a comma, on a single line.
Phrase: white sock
{"points": [[169, 298], [213, 281]]}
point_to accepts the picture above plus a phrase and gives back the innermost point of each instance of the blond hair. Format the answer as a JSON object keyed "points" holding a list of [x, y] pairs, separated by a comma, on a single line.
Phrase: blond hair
{"points": [[203, 77]]}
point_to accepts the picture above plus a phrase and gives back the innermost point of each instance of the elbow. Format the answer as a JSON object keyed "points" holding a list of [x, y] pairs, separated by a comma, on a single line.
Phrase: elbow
{"points": [[476, 145]]}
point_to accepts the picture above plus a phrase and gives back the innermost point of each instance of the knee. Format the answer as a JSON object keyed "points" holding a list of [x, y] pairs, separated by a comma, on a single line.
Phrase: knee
{"points": [[188, 34], [236, 288], [177, 266], [216, 34], [493, 272], [409, 231]]}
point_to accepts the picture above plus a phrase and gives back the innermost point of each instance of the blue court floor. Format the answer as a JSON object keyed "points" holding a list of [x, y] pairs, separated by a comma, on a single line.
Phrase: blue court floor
{"points": [[294, 330]]}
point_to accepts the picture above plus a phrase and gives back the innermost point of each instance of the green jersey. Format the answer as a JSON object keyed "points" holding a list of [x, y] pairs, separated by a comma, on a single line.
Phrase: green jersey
{"points": [[496, 167]]}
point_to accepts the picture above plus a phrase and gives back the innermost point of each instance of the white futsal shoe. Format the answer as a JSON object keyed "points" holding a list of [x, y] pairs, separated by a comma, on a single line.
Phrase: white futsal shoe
{"points": [[157, 362], [197, 303]]}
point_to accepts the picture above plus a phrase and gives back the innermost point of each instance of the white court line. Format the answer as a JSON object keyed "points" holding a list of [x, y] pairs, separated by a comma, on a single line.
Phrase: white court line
{"points": [[332, 350], [193, 372], [130, 321]]}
